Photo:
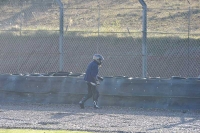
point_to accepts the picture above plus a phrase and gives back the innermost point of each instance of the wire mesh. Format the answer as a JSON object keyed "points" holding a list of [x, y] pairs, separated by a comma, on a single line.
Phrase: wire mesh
{"points": [[29, 37]]}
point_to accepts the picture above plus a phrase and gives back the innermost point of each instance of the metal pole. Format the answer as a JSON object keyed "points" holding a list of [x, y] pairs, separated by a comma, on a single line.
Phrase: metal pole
{"points": [[189, 14], [144, 38], [21, 21], [61, 36], [98, 25]]}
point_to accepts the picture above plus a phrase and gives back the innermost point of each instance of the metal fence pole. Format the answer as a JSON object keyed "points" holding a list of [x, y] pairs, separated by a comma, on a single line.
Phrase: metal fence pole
{"points": [[144, 38], [98, 25], [189, 15], [61, 36]]}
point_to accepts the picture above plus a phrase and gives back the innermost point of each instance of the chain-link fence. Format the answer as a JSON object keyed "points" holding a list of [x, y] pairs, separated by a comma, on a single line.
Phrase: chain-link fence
{"points": [[29, 36], [173, 49], [29, 39]]}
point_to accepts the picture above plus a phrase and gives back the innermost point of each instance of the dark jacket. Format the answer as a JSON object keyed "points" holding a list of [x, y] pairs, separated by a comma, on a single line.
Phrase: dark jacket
{"points": [[92, 72]]}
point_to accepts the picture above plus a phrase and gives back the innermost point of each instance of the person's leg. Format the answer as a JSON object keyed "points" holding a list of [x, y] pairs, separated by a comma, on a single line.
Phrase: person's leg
{"points": [[87, 96], [95, 94]]}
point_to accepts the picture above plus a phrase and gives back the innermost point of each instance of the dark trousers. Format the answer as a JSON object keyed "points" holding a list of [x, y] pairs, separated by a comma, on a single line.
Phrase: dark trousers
{"points": [[92, 92]]}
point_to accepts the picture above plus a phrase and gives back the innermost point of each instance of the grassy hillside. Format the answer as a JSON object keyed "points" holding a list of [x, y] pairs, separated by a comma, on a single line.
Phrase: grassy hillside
{"points": [[36, 24], [168, 16]]}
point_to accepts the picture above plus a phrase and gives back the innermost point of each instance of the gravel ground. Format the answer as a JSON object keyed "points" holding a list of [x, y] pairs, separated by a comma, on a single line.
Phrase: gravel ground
{"points": [[107, 119]]}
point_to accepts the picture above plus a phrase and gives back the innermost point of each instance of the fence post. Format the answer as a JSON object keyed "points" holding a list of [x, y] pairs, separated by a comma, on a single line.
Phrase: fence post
{"points": [[98, 25], [144, 38], [189, 15], [61, 36]]}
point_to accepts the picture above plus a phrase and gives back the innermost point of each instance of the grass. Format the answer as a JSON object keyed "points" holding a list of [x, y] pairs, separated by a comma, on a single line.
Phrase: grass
{"points": [[37, 131], [168, 16]]}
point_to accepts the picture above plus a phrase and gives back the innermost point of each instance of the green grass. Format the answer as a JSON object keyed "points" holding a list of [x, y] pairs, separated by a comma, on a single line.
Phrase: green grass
{"points": [[37, 131], [81, 17]]}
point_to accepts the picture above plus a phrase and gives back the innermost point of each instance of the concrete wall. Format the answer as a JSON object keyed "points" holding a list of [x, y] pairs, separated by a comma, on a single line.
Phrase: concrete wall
{"points": [[173, 93]]}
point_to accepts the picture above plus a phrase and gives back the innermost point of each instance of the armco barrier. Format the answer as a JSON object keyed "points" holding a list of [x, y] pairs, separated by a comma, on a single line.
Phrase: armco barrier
{"points": [[173, 93]]}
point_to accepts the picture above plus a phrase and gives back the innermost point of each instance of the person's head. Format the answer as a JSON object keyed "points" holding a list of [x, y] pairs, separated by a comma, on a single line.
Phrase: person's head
{"points": [[98, 58]]}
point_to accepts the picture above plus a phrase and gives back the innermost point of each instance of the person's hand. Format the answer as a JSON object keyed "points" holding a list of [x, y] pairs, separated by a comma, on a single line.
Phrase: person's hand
{"points": [[92, 83], [97, 82]]}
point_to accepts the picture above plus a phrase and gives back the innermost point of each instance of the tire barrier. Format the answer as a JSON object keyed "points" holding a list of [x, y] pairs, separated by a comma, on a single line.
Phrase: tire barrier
{"points": [[61, 73], [69, 88]]}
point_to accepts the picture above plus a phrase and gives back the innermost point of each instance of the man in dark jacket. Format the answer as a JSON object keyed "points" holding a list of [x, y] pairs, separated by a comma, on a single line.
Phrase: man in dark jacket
{"points": [[92, 80]]}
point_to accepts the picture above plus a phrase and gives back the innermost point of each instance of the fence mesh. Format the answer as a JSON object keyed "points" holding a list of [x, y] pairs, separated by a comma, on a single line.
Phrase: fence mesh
{"points": [[29, 37]]}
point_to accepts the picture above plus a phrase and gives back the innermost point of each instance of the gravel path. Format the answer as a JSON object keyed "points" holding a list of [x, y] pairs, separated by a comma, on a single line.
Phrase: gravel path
{"points": [[107, 119]]}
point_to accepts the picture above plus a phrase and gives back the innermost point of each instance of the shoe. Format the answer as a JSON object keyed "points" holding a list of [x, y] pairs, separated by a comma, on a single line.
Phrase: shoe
{"points": [[81, 104], [95, 105]]}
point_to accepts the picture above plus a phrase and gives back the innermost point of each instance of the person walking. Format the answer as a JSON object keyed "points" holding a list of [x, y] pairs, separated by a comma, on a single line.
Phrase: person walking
{"points": [[92, 81]]}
